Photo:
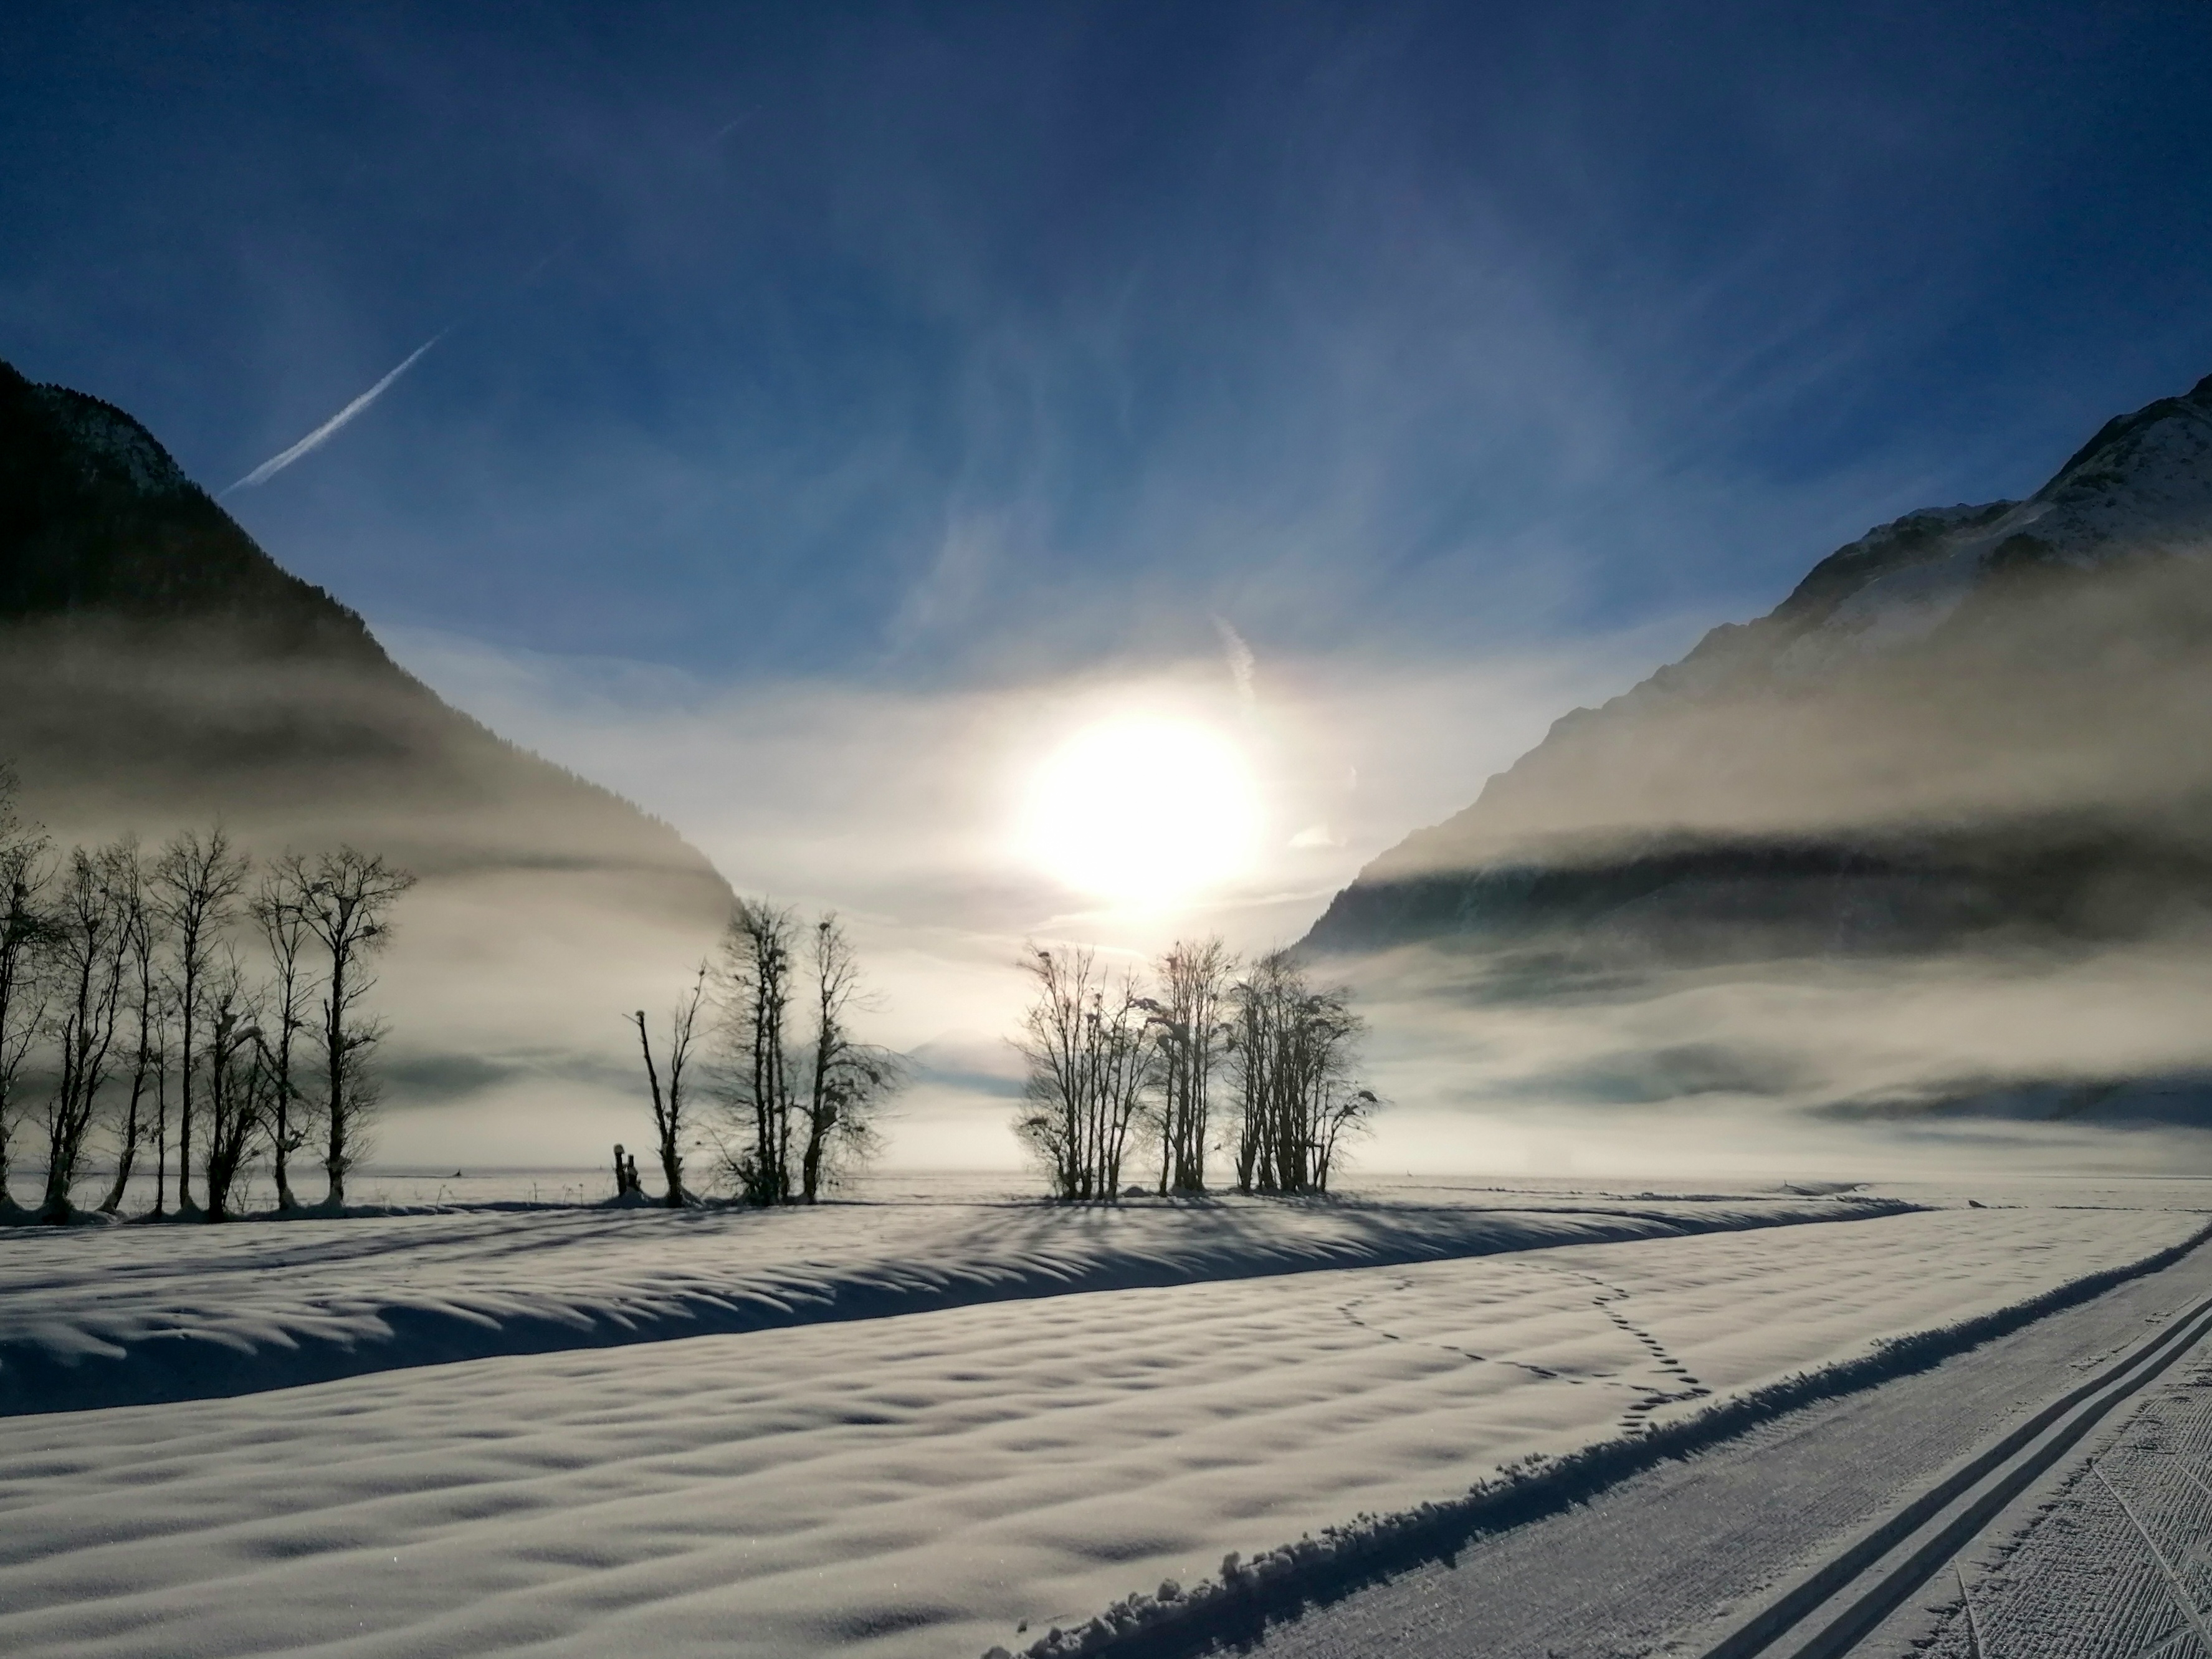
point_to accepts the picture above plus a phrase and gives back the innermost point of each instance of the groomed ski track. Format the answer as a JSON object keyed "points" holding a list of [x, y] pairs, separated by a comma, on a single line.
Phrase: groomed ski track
{"points": [[1828, 1611], [1798, 1537]]}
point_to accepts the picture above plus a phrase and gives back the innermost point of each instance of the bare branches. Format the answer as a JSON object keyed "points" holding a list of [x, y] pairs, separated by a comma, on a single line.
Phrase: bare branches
{"points": [[669, 1109], [802, 1090], [90, 951], [25, 868], [237, 1081], [118, 978], [846, 1080], [755, 972], [347, 905], [1294, 1049], [280, 907], [197, 881], [1084, 1040], [1189, 1029], [142, 934], [1097, 1048]]}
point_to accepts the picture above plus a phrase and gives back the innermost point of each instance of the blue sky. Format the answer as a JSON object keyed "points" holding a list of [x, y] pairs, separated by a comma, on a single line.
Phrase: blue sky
{"points": [[935, 345], [828, 409]]}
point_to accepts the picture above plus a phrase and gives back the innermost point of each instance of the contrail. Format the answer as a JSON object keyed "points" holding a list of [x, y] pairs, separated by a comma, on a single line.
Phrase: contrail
{"points": [[323, 433], [1239, 657]]}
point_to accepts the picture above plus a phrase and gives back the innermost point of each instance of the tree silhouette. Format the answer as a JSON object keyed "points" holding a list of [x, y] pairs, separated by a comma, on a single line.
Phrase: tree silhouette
{"points": [[670, 1106], [348, 898], [1084, 1041], [196, 881]]}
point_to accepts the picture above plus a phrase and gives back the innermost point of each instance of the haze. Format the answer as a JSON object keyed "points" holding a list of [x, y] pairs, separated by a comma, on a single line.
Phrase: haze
{"points": [[810, 423]]}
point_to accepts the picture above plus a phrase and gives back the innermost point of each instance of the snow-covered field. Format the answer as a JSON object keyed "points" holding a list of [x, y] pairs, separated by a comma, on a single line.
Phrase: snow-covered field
{"points": [[927, 1479], [127, 1315]]}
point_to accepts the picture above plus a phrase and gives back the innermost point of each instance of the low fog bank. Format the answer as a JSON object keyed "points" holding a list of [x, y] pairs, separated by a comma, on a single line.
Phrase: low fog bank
{"points": [[899, 811], [2035, 757], [902, 812], [548, 909], [547, 905], [2092, 1060]]}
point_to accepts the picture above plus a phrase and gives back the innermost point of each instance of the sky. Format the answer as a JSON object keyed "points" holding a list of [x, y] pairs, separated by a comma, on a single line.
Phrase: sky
{"points": [[802, 418]]}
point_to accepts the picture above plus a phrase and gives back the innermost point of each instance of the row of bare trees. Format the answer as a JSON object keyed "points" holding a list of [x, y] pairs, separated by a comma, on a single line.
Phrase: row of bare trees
{"points": [[765, 1029], [1120, 1066], [191, 1003]]}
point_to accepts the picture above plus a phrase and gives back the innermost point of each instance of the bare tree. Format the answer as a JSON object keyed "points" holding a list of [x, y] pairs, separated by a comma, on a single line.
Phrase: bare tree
{"points": [[237, 1083], [25, 868], [669, 1107], [280, 907], [1189, 1029], [1089, 1064], [141, 944], [197, 881], [1346, 1109], [1294, 1046], [846, 1080], [754, 974], [347, 904], [804, 1103], [91, 953]]}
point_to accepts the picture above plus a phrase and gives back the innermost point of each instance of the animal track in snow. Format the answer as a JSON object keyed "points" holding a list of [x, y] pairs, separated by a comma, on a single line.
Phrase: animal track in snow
{"points": [[1345, 1309], [1637, 1417]]}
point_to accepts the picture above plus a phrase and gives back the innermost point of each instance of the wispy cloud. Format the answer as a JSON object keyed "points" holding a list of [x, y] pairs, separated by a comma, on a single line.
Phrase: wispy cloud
{"points": [[1238, 655], [330, 428]]}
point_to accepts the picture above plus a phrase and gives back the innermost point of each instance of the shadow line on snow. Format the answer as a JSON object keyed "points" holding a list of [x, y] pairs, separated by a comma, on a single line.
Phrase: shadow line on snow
{"points": [[158, 1353]]}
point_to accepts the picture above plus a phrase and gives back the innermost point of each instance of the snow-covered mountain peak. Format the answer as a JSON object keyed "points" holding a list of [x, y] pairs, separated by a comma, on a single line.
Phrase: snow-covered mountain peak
{"points": [[2144, 480], [2142, 486]]}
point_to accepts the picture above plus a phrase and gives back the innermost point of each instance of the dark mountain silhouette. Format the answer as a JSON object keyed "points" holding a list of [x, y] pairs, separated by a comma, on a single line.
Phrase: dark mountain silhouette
{"points": [[157, 668], [1975, 726], [96, 519]]}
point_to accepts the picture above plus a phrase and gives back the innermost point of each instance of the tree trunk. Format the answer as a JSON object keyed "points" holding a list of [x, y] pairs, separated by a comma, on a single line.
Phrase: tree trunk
{"points": [[334, 1161], [190, 1010], [280, 1162], [161, 1142], [127, 1156]]}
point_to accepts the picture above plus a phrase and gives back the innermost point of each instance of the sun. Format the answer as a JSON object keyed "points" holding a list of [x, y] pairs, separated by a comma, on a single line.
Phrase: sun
{"points": [[1143, 809]]}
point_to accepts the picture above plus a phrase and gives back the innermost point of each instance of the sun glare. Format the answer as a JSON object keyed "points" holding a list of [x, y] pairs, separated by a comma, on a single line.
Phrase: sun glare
{"points": [[1144, 811]]}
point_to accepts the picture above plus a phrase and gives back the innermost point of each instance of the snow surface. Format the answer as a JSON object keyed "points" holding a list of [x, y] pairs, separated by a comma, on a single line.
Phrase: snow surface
{"points": [[921, 1483], [1669, 1560], [132, 1315], [2115, 1562]]}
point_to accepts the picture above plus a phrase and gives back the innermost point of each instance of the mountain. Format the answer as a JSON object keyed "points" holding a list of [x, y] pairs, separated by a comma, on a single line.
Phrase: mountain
{"points": [[1976, 728], [1931, 839], [157, 669]]}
